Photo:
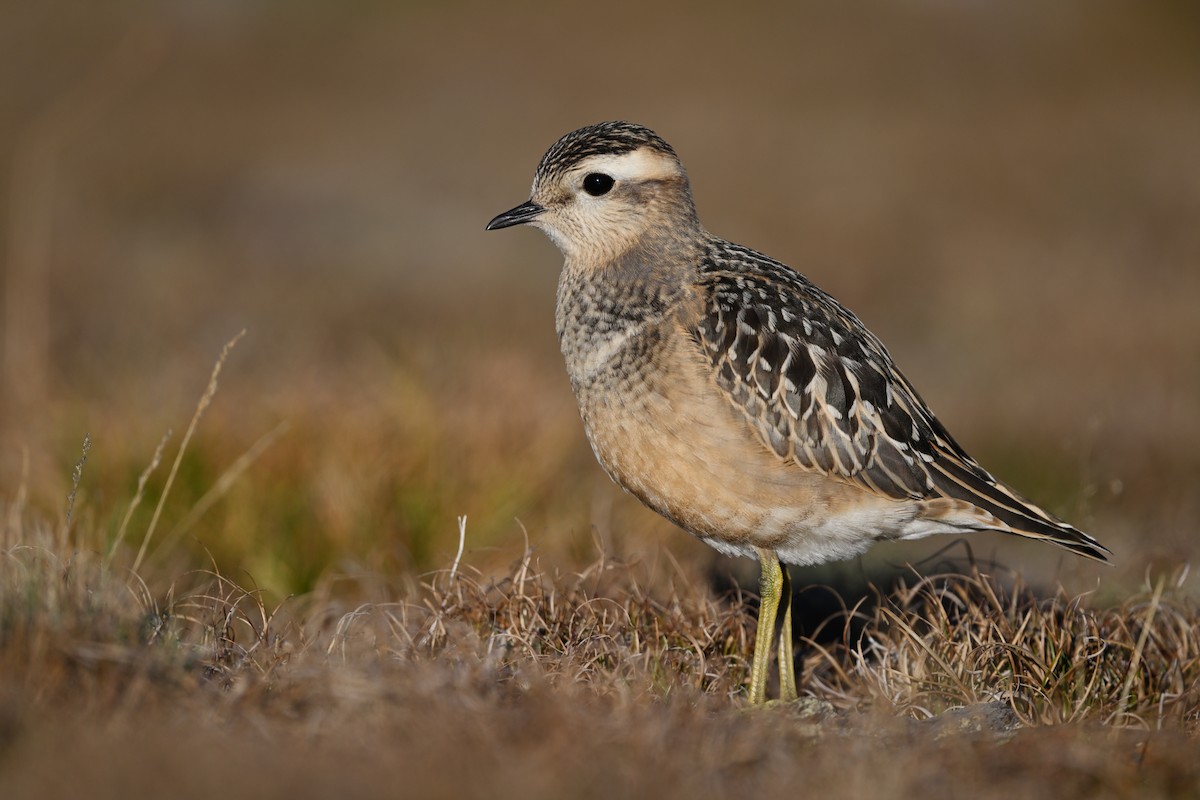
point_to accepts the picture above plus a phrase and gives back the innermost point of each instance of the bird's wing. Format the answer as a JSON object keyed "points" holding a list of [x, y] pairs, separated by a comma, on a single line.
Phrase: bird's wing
{"points": [[822, 391]]}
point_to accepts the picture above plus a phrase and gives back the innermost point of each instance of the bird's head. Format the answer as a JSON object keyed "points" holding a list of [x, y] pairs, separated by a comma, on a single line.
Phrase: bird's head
{"points": [[603, 189]]}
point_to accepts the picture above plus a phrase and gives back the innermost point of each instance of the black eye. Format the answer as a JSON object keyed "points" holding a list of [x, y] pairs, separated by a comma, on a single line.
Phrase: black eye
{"points": [[597, 183]]}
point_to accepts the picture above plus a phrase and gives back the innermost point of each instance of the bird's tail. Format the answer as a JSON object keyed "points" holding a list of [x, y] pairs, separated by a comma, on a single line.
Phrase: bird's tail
{"points": [[987, 504]]}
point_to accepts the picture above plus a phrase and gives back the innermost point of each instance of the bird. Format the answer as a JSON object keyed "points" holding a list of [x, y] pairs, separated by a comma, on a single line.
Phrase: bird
{"points": [[733, 396]]}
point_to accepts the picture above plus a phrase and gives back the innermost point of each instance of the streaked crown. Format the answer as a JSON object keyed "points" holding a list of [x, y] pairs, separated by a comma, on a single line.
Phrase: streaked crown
{"points": [[604, 138]]}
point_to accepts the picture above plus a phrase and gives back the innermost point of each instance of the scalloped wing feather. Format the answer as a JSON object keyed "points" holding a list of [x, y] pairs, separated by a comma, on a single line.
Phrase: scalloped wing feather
{"points": [[822, 391]]}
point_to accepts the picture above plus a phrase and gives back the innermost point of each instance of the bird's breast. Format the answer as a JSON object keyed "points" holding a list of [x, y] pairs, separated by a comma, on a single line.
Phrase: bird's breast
{"points": [[608, 333]]}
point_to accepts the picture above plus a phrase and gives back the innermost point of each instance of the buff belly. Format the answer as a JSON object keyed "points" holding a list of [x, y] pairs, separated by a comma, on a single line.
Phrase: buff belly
{"points": [[688, 454]]}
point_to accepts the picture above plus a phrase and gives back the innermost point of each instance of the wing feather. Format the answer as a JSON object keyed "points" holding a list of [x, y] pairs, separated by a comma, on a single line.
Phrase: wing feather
{"points": [[823, 392]]}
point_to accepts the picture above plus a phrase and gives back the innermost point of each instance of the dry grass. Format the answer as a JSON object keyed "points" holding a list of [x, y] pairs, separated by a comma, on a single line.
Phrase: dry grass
{"points": [[954, 640], [623, 677]]}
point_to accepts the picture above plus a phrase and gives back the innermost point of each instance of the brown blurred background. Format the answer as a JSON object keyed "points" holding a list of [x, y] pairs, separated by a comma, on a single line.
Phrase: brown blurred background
{"points": [[1007, 193]]}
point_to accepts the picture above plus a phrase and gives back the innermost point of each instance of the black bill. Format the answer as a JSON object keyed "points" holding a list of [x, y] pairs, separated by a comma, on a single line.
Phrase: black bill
{"points": [[516, 216]]}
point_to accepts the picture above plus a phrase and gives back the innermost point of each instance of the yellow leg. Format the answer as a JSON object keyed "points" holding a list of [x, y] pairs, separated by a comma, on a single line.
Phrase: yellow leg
{"points": [[787, 668], [770, 584]]}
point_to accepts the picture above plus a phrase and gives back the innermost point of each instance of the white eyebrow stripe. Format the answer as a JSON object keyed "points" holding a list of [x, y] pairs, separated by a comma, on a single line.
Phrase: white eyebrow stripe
{"points": [[643, 164]]}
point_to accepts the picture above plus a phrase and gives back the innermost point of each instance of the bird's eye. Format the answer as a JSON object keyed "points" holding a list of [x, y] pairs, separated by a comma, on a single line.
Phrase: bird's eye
{"points": [[597, 183]]}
